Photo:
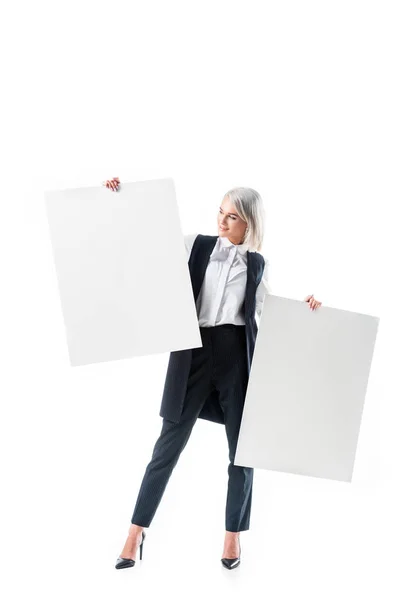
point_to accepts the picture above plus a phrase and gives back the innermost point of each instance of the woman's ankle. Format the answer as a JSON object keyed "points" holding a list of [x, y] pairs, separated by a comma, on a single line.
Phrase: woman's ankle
{"points": [[135, 528]]}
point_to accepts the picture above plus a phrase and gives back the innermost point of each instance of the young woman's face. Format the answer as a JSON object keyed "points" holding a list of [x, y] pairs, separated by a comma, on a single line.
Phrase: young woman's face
{"points": [[230, 225]]}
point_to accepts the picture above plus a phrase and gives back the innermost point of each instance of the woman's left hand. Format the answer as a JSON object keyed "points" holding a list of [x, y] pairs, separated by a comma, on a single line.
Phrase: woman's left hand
{"points": [[313, 302]]}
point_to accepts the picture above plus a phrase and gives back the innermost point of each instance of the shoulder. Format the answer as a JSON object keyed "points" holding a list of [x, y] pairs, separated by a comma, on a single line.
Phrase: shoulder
{"points": [[263, 260], [265, 286], [259, 259], [189, 239], [263, 272]]}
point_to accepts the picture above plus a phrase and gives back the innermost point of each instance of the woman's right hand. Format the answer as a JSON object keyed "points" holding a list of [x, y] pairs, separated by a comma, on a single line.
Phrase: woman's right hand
{"points": [[112, 184]]}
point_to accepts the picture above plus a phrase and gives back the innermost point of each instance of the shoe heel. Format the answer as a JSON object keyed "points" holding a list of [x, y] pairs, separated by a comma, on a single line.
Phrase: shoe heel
{"points": [[141, 546]]}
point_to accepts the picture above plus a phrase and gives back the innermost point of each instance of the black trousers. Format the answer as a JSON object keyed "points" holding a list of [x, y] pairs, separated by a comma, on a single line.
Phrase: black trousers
{"points": [[219, 364]]}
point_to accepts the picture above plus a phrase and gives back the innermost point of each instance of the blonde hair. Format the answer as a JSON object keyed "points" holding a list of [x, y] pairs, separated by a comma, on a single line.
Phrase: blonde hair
{"points": [[249, 206]]}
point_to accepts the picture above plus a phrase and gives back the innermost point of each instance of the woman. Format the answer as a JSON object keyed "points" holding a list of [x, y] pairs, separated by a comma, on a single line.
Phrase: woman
{"points": [[229, 283]]}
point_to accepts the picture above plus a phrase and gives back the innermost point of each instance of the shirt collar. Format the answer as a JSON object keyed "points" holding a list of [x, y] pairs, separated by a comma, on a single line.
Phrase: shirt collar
{"points": [[225, 243]]}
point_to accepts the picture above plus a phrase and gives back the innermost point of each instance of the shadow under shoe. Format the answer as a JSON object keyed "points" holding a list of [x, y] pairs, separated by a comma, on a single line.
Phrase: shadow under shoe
{"points": [[124, 563]]}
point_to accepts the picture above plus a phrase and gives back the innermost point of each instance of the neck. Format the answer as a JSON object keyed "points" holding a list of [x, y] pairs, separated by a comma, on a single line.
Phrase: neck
{"points": [[235, 241]]}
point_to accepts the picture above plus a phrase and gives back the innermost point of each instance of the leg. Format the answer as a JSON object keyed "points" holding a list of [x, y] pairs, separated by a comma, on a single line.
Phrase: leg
{"points": [[239, 496], [167, 449], [240, 482], [173, 438], [231, 381]]}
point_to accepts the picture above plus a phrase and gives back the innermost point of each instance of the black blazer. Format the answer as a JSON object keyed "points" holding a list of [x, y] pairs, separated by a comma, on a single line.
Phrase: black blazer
{"points": [[180, 360]]}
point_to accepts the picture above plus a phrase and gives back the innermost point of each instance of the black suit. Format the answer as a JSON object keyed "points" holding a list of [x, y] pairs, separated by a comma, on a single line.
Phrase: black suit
{"points": [[179, 361], [210, 383]]}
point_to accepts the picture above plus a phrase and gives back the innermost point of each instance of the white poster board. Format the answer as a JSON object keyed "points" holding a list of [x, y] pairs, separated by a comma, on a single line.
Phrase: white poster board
{"points": [[122, 271], [306, 389]]}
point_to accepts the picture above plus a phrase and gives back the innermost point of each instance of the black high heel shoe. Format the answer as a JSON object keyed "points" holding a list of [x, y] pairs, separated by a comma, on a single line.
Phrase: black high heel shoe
{"points": [[124, 563], [231, 563]]}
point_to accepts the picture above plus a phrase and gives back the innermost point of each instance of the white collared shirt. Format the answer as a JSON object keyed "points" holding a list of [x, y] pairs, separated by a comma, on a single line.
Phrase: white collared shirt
{"points": [[222, 293]]}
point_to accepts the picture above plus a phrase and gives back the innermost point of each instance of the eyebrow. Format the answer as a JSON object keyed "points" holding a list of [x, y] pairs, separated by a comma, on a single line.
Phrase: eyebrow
{"points": [[236, 215]]}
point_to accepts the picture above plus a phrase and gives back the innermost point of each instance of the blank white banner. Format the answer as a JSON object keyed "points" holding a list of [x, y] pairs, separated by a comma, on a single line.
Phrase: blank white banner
{"points": [[122, 271], [306, 389]]}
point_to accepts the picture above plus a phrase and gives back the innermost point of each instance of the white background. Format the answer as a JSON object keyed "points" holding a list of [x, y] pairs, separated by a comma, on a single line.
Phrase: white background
{"points": [[296, 99]]}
